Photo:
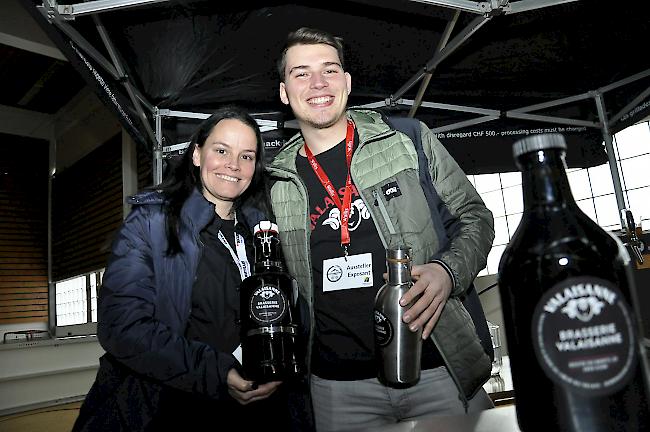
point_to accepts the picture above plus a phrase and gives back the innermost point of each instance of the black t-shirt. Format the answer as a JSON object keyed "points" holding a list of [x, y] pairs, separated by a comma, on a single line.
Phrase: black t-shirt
{"points": [[215, 295], [344, 339]]}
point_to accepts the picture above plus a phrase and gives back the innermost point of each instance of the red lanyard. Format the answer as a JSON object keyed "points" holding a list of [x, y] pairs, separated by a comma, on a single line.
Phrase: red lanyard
{"points": [[329, 187]]}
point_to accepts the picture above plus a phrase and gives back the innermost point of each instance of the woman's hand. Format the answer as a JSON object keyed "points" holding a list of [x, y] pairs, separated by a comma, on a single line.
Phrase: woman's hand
{"points": [[245, 392]]}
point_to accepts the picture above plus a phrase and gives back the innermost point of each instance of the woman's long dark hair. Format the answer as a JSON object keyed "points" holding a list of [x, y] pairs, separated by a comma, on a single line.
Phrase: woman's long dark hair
{"points": [[182, 176]]}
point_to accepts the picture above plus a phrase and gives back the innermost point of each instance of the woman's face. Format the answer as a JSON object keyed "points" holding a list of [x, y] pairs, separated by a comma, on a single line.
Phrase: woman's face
{"points": [[227, 162]]}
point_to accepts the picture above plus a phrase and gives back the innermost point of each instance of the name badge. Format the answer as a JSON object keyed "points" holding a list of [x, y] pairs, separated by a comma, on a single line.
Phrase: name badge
{"points": [[340, 274]]}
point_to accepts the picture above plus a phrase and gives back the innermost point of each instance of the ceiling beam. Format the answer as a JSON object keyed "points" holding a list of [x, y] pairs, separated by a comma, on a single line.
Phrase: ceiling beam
{"points": [[93, 7], [27, 123], [31, 46], [81, 126], [82, 105], [19, 30]]}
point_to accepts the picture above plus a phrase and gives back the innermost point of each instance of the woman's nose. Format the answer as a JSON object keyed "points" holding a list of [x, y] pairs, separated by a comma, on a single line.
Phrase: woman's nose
{"points": [[233, 163]]}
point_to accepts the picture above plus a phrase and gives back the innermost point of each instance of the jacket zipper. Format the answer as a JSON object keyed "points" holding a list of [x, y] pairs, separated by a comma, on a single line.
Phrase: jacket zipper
{"points": [[375, 195], [452, 374], [384, 212]]}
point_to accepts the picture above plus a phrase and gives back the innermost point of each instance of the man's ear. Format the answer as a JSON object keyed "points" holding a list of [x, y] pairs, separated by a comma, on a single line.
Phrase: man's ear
{"points": [[348, 81], [283, 94]]}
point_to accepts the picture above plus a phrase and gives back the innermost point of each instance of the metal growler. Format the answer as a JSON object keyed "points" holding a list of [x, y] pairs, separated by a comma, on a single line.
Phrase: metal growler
{"points": [[398, 348]]}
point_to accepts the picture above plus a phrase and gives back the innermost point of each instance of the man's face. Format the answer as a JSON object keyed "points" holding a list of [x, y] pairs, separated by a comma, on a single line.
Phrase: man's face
{"points": [[315, 85]]}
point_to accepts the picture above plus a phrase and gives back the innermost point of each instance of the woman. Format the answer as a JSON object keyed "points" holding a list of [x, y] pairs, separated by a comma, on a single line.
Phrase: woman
{"points": [[169, 303]]}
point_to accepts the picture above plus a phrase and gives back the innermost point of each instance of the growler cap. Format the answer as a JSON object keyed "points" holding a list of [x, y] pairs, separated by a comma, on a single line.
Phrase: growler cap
{"points": [[400, 252], [265, 226], [538, 142]]}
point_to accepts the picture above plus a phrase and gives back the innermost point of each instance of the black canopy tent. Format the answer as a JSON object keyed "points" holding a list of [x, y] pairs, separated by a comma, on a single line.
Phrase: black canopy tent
{"points": [[480, 74]]}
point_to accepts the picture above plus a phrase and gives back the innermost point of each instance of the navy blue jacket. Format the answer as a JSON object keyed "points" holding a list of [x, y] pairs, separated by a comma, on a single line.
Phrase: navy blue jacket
{"points": [[143, 309]]}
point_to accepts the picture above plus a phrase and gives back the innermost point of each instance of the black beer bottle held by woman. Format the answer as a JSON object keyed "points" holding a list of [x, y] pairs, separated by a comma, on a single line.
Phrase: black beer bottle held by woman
{"points": [[269, 323], [567, 297]]}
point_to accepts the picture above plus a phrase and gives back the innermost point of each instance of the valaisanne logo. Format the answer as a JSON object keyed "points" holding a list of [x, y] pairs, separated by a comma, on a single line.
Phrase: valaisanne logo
{"points": [[583, 335]]}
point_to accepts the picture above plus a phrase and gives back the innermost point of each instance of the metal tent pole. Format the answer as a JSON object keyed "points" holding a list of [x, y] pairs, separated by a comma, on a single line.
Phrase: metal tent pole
{"points": [[607, 136], [130, 89], [72, 11], [157, 151], [465, 34], [427, 77]]}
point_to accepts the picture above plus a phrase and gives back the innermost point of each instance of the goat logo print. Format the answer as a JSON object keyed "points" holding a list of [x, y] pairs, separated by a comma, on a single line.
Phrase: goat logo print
{"points": [[358, 213], [584, 308]]}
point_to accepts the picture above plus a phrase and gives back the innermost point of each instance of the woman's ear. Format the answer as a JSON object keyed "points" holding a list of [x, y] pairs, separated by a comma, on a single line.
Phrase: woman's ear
{"points": [[196, 156]]}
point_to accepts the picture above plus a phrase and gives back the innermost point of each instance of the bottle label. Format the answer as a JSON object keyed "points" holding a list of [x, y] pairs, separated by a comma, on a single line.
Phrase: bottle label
{"points": [[268, 305], [584, 337], [383, 329]]}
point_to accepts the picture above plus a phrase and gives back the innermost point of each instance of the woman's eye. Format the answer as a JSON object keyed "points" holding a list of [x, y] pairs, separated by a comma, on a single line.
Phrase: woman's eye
{"points": [[248, 157]]}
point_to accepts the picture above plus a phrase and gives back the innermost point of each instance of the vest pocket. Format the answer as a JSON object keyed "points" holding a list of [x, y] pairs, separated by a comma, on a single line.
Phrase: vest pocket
{"points": [[400, 202]]}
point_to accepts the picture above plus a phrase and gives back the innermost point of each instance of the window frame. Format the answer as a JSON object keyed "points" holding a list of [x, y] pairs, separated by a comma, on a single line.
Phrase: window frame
{"points": [[590, 200]]}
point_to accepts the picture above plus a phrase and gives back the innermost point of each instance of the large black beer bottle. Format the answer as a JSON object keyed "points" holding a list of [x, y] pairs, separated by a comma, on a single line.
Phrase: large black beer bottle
{"points": [[567, 297], [269, 313]]}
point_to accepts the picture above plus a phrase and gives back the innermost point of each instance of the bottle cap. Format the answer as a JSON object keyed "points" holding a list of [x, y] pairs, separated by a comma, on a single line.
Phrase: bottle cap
{"points": [[265, 226], [538, 142], [401, 252]]}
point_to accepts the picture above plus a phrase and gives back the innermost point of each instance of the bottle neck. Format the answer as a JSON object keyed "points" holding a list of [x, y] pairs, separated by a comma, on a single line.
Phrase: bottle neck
{"points": [[268, 266], [544, 179], [399, 271], [267, 257]]}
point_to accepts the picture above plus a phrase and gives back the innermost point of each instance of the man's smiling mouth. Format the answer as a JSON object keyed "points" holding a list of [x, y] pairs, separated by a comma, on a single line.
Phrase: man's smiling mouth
{"points": [[320, 100]]}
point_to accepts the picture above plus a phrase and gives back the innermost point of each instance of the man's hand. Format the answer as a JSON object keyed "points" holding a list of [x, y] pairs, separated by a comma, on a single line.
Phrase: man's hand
{"points": [[246, 392], [433, 282]]}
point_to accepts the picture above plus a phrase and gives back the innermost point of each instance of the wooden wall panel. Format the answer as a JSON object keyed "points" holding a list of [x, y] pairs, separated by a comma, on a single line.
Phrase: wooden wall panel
{"points": [[23, 229], [87, 210]]}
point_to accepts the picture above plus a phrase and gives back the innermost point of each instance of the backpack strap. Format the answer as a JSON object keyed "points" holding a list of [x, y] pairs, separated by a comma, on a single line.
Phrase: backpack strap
{"points": [[444, 223]]}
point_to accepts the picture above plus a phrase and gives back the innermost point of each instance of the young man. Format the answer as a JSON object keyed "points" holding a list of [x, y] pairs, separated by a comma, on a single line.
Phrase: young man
{"points": [[346, 188]]}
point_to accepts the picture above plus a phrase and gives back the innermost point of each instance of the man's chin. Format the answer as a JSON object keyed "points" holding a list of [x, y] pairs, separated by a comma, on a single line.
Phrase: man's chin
{"points": [[323, 122], [322, 125]]}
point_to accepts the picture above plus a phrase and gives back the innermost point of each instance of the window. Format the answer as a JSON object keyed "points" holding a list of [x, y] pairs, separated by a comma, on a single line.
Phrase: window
{"points": [[76, 304], [592, 188]]}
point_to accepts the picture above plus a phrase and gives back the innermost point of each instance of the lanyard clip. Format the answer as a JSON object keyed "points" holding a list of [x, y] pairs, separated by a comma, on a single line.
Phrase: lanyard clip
{"points": [[345, 251]]}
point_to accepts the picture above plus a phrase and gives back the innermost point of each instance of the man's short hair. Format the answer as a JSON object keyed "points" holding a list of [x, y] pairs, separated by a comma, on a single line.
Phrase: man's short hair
{"points": [[309, 36]]}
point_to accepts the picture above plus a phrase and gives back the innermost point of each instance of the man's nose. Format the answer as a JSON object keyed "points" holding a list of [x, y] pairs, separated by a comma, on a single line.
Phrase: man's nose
{"points": [[318, 81]]}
